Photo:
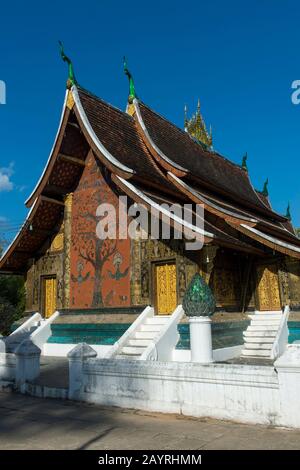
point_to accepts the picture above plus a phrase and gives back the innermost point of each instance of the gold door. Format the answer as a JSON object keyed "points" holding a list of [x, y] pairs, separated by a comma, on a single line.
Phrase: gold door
{"points": [[268, 288], [166, 293], [49, 296]]}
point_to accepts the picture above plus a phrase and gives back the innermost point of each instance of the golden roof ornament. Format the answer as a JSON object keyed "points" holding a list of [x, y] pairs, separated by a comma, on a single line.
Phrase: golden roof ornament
{"points": [[196, 127]]}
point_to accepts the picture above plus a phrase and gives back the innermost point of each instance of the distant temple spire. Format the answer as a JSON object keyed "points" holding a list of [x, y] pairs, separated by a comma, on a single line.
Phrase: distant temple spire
{"points": [[185, 118], [71, 75], [265, 191], [244, 162], [132, 93], [196, 127], [288, 212]]}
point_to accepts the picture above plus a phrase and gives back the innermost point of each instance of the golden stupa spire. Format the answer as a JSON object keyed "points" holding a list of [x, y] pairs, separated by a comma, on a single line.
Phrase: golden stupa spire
{"points": [[196, 127]]}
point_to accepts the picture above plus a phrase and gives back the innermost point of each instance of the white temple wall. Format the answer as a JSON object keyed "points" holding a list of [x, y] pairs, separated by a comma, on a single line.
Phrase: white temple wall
{"points": [[242, 393]]}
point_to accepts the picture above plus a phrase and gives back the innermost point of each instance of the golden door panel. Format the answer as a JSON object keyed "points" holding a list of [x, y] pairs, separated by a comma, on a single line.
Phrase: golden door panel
{"points": [[224, 287], [166, 292], [49, 296], [268, 288]]}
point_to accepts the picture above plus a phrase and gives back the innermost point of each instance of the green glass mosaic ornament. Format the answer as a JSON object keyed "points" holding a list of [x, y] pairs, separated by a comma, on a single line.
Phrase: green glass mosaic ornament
{"points": [[198, 300]]}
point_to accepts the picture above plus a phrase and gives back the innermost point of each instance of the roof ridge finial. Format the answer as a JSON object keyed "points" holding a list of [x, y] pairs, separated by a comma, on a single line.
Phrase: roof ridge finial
{"points": [[265, 191], [132, 93], [288, 212], [71, 75], [244, 162]]}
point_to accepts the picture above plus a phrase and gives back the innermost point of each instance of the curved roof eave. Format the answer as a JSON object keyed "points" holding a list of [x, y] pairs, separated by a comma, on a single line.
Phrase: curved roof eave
{"points": [[53, 152], [165, 161], [199, 198], [100, 150], [271, 242], [17, 238], [136, 193], [98, 146]]}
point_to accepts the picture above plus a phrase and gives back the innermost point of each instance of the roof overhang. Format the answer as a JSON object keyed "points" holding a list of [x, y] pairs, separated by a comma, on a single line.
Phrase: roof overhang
{"points": [[140, 197], [269, 241], [160, 157], [214, 208], [53, 154], [99, 149], [43, 215]]}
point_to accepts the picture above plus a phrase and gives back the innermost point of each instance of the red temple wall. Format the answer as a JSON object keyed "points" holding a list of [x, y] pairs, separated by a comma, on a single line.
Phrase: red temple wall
{"points": [[100, 270]]}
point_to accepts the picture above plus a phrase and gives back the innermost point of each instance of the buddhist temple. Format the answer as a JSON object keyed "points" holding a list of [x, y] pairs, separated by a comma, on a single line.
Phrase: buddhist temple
{"points": [[250, 255]]}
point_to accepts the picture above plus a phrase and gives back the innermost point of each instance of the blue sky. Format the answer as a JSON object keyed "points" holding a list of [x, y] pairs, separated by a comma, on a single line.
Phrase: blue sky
{"points": [[239, 57]]}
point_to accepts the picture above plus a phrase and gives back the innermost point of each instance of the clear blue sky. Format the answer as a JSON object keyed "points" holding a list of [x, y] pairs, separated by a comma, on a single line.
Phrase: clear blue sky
{"points": [[239, 57]]}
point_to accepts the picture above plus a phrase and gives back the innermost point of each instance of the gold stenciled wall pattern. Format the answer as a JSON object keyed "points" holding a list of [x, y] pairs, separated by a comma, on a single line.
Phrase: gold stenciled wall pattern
{"points": [[48, 264], [144, 253]]}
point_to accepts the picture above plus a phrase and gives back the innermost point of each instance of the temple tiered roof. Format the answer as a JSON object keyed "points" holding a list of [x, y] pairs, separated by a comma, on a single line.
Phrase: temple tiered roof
{"points": [[151, 160]]}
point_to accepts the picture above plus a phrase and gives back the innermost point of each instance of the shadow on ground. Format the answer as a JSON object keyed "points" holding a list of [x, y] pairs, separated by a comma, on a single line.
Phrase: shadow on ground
{"points": [[34, 423]]}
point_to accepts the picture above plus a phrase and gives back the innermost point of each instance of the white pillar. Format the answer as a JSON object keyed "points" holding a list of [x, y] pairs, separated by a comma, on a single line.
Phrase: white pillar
{"points": [[27, 363], [200, 338], [77, 357]]}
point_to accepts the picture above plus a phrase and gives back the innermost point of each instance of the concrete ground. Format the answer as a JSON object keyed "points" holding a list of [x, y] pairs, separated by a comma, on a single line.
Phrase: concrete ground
{"points": [[33, 423]]}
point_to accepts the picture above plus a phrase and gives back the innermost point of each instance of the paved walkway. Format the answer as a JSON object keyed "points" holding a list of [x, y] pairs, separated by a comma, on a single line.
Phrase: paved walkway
{"points": [[54, 372], [33, 423]]}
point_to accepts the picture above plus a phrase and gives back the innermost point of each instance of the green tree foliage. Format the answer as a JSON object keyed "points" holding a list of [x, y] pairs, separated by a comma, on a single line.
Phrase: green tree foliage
{"points": [[12, 299]]}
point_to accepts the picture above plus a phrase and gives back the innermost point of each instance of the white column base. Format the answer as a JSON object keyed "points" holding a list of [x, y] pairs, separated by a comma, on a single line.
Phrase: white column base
{"points": [[201, 342]]}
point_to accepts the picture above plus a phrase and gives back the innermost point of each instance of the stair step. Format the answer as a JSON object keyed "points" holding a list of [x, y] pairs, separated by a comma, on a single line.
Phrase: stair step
{"points": [[269, 316], [257, 334], [259, 339], [133, 350], [275, 323], [144, 335], [154, 328], [157, 320], [263, 328], [267, 312], [255, 353], [266, 346], [138, 342]]}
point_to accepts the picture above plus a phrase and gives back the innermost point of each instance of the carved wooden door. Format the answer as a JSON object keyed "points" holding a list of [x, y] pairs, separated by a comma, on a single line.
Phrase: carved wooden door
{"points": [[166, 291], [49, 296], [268, 287]]}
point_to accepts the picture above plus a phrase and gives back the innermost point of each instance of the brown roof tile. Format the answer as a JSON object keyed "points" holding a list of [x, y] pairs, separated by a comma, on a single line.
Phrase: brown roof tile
{"points": [[118, 133], [210, 167]]}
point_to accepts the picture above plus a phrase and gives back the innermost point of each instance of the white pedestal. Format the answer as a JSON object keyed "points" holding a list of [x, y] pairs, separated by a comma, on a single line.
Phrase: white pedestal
{"points": [[201, 342], [77, 357]]}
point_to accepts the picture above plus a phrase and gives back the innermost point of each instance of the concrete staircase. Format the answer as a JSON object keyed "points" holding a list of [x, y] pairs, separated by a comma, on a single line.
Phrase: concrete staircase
{"points": [[261, 334], [22, 333], [14, 342], [142, 337], [36, 328]]}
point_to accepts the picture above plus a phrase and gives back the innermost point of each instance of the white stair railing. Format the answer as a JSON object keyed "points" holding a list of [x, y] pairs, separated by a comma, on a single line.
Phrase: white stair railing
{"points": [[148, 312], [41, 335], [282, 336], [23, 330], [162, 346]]}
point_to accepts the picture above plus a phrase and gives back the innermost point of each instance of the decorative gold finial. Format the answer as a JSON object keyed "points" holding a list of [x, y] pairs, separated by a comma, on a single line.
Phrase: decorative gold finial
{"points": [[196, 127]]}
